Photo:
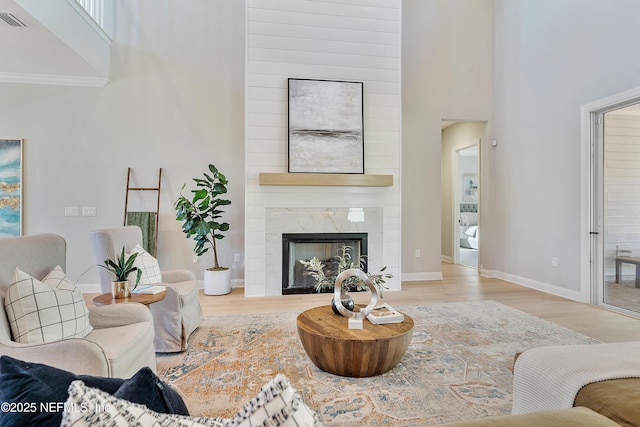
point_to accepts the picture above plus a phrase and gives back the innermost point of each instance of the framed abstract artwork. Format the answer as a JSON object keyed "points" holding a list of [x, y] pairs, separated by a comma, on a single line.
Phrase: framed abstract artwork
{"points": [[326, 126], [470, 188], [10, 187]]}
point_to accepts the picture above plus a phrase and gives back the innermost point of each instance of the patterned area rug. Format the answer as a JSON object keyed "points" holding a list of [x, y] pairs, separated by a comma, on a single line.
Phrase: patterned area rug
{"points": [[458, 366]]}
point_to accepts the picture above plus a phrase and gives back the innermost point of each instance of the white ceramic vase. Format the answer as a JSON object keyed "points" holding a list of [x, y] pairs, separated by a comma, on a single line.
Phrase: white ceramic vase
{"points": [[217, 282]]}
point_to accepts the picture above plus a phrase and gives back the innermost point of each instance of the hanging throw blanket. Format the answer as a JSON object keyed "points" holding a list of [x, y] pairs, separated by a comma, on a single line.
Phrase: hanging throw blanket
{"points": [[147, 223], [551, 377]]}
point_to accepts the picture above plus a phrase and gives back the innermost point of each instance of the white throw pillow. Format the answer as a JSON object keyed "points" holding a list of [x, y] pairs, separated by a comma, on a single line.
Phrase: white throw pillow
{"points": [[471, 231], [45, 312], [148, 265], [57, 279], [90, 407], [276, 405]]}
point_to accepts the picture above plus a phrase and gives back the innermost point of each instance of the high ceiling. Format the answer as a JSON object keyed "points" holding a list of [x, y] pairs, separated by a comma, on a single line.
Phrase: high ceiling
{"points": [[37, 43]]}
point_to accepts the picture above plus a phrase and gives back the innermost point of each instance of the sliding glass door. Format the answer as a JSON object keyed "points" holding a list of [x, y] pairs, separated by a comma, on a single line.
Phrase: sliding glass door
{"points": [[618, 192]]}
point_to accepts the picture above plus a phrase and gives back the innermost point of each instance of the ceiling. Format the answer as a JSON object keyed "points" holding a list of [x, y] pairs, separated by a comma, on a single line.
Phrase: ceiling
{"points": [[49, 42]]}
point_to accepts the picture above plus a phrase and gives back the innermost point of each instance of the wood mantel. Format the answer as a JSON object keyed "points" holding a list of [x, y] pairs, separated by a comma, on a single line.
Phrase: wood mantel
{"points": [[326, 179]]}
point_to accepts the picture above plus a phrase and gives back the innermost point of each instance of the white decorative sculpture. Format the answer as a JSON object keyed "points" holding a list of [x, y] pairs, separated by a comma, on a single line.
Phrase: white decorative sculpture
{"points": [[358, 316]]}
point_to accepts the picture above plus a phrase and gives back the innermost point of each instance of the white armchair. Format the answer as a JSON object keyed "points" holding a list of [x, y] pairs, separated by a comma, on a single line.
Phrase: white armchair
{"points": [[122, 338], [179, 313]]}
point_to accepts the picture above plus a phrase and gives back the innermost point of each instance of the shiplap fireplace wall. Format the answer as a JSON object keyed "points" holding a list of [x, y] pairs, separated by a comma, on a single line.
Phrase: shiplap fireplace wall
{"points": [[357, 40]]}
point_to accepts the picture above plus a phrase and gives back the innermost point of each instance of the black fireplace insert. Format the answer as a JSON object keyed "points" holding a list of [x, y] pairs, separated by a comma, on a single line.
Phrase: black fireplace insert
{"points": [[324, 246]]}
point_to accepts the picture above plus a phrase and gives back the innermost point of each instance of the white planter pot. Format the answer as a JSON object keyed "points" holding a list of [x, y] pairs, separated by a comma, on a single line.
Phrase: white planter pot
{"points": [[217, 282]]}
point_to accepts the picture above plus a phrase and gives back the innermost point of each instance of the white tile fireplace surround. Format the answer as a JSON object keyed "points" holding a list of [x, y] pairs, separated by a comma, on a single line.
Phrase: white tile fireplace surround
{"points": [[318, 220], [311, 198]]}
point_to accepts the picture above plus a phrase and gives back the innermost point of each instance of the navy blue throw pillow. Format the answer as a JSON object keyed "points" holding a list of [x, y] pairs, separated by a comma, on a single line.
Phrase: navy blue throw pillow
{"points": [[34, 394], [147, 389]]}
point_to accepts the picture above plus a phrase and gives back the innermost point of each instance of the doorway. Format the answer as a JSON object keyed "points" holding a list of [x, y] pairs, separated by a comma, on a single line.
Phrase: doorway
{"points": [[614, 226], [467, 189], [461, 186]]}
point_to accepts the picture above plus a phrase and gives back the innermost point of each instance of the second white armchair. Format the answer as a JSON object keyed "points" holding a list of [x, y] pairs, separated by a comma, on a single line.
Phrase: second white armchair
{"points": [[179, 313]]}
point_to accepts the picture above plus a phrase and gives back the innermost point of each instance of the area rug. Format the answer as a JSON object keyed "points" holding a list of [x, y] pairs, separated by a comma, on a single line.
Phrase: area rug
{"points": [[457, 367]]}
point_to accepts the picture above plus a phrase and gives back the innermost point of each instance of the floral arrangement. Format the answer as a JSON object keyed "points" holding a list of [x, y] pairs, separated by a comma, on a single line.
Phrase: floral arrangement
{"points": [[315, 268]]}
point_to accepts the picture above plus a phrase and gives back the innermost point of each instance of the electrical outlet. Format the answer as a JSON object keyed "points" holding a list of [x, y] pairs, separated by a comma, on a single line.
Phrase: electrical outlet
{"points": [[417, 253], [71, 211], [236, 257], [554, 261]]}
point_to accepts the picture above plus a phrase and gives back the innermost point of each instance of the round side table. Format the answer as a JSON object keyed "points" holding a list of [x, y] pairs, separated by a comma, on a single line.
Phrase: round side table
{"points": [[146, 299]]}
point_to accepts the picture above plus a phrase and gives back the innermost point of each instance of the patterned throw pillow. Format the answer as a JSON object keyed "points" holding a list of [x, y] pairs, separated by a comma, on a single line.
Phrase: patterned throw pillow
{"points": [[91, 407], [148, 265], [57, 279], [45, 311], [276, 405]]}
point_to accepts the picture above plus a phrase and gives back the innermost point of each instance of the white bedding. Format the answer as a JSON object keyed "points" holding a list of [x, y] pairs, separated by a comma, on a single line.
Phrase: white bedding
{"points": [[469, 237]]}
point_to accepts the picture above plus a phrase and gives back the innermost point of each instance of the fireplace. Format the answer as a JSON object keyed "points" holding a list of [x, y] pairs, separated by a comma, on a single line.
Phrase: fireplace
{"points": [[324, 246]]}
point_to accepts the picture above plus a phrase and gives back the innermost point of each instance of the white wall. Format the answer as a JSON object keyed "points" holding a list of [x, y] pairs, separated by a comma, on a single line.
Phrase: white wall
{"points": [[528, 77], [551, 58], [447, 60], [175, 101], [331, 40]]}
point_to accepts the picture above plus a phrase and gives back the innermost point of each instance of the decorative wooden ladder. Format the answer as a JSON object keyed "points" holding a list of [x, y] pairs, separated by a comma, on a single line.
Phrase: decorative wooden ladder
{"points": [[126, 204]]}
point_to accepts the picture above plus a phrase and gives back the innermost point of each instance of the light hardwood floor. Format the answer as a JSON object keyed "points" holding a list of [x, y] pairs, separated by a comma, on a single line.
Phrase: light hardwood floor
{"points": [[460, 284]]}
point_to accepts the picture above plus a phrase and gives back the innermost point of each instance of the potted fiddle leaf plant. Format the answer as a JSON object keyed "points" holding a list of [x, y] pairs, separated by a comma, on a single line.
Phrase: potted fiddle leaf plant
{"points": [[201, 220], [122, 268]]}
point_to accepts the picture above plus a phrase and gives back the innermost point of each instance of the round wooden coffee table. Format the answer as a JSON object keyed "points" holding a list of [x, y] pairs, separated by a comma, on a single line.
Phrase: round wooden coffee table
{"points": [[336, 349], [146, 299]]}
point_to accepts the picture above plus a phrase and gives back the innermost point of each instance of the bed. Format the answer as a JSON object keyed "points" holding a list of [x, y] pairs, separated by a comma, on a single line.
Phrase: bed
{"points": [[469, 233]]}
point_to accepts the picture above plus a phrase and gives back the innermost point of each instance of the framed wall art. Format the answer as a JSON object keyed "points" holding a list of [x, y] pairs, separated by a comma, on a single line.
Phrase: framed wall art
{"points": [[470, 188], [10, 187], [326, 126]]}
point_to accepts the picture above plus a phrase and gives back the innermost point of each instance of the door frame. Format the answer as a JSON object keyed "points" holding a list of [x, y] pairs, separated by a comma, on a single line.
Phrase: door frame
{"points": [[592, 241], [457, 200]]}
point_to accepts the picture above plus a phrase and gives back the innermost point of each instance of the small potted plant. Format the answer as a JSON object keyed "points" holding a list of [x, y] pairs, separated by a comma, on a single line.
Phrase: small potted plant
{"points": [[200, 216], [122, 268], [325, 278]]}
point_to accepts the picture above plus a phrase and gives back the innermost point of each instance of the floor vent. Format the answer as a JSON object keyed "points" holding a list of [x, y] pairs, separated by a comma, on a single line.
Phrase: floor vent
{"points": [[11, 20]]}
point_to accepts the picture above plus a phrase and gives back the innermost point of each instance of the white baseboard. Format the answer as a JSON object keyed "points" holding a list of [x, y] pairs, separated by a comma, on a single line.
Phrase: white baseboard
{"points": [[89, 288], [534, 284], [490, 274], [418, 277], [94, 288], [427, 276]]}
